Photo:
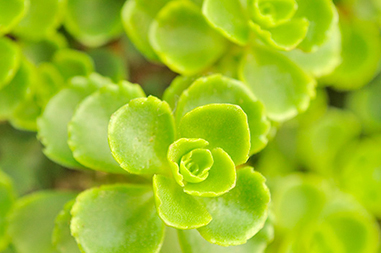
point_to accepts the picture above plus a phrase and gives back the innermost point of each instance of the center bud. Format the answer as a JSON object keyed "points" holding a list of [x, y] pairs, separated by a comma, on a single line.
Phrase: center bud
{"points": [[195, 165]]}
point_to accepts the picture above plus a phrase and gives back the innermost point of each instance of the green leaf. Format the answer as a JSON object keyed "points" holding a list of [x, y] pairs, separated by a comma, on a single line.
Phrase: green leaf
{"points": [[41, 20], [221, 177], [272, 13], [88, 126], [110, 64], [285, 36], [195, 165], [137, 16], [319, 144], [222, 125], [117, 218], [50, 82], [322, 16], [176, 88], [192, 242], [72, 63], [139, 135], [52, 124], [9, 61], [15, 92], [61, 238], [7, 199], [12, 12], [183, 40], [94, 23], [229, 18], [219, 89], [360, 174], [43, 50], [177, 150], [283, 87], [239, 214], [24, 117], [322, 61], [175, 207], [361, 53], [298, 201], [32, 221], [171, 241], [365, 104]]}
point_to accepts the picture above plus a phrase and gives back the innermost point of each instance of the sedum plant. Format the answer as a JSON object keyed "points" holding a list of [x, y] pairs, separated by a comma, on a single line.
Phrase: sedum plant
{"points": [[237, 99]]}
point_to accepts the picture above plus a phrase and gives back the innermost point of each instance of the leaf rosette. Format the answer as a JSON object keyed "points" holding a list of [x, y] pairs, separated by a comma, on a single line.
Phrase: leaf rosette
{"points": [[193, 160], [282, 24]]}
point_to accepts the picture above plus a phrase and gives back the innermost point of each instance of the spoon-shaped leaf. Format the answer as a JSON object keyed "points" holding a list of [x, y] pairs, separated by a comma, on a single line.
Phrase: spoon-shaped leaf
{"points": [[117, 218], [12, 11], [9, 61]]}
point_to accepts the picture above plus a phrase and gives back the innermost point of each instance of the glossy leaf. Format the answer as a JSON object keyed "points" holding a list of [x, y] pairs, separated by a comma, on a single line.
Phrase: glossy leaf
{"points": [[61, 237], [322, 16], [12, 12], [52, 124], [219, 89], [283, 87], [221, 177], [88, 126], [7, 199], [9, 61], [192, 242], [41, 20], [117, 218], [322, 61], [214, 123], [137, 16], [183, 40], [177, 150], [96, 26], [32, 221], [139, 135], [72, 63], [175, 207], [360, 53], [229, 18], [239, 214], [272, 13], [15, 92]]}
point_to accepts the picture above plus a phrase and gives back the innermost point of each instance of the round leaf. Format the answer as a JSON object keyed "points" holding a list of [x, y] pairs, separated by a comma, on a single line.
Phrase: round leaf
{"points": [[228, 17], [72, 63], [280, 84], [9, 61], [221, 178], [32, 221], [11, 13], [61, 238], [183, 39], [175, 207], [52, 124], [88, 126], [239, 214], [41, 20], [222, 125], [95, 22], [137, 16], [139, 135], [219, 89], [117, 218]]}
